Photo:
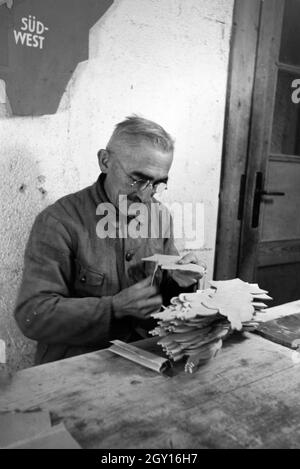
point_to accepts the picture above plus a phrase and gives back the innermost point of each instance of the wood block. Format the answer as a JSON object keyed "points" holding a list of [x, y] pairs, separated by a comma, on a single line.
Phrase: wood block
{"points": [[284, 330], [18, 426], [56, 438]]}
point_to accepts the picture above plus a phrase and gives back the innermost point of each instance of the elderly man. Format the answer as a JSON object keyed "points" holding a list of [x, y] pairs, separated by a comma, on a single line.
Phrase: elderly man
{"points": [[84, 281]]}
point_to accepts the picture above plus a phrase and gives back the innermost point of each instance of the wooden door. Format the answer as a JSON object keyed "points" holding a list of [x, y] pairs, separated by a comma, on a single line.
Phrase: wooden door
{"points": [[268, 207]]}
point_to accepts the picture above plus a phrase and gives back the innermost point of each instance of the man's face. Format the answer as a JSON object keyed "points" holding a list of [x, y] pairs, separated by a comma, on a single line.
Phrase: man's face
{"points": [[133, 161]]}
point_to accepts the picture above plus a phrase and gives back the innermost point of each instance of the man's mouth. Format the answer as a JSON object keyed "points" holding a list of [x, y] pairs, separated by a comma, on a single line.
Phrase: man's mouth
{"points": [[134, 200]]}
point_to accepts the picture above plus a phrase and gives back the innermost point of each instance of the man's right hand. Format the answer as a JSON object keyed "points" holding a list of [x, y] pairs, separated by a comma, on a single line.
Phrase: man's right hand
{"points": [[139, 300]]}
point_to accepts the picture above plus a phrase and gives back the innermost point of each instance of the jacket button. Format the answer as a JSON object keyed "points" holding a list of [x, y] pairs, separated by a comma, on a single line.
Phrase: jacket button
{"points": [[129, 256], [83, 279]]}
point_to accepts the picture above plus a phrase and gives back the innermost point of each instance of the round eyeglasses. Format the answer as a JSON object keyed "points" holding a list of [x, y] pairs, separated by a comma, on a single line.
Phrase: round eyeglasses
{"points": [[143, 184]]}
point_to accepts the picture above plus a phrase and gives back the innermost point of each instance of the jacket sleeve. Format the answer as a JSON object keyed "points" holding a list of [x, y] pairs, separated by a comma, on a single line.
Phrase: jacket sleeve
{"points": [[45, 310]]}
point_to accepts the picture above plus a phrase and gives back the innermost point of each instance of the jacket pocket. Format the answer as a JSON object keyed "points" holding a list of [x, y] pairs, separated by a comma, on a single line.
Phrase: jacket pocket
{"points": [[88, 282]]}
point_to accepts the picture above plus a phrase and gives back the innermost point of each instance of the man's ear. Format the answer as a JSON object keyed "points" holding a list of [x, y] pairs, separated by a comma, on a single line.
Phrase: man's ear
{"points": [[103, 157]]}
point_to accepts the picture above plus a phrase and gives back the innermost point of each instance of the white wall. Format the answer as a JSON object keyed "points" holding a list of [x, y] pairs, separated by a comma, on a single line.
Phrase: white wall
{"points": [[164, 59]]}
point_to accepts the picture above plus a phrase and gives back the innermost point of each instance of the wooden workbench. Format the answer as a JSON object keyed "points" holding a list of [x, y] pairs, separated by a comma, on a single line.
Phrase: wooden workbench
{"points": [[247, 397]]}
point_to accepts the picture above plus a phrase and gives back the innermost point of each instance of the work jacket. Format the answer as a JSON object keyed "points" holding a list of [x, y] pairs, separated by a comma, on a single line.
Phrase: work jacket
{"points": [[71, 273]]}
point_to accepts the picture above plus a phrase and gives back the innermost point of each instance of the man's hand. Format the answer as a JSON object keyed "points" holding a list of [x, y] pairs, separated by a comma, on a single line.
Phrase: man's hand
{"points": [[186, 279], [139, 300]]}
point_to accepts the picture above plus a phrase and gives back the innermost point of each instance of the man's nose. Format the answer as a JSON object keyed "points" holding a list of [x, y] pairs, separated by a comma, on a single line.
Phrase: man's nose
{"points": [[146, 194]]}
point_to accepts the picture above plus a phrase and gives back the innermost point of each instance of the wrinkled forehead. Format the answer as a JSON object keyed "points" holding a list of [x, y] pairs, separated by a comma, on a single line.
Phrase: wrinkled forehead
{"points": [[127, 143]]}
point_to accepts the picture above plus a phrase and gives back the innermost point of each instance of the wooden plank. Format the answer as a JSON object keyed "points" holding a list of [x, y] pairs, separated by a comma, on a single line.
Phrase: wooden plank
{"points": [[284, 158], [268, 410], [264, 414], [106, 401], [281, 311], [288, 67], [237, 121]]}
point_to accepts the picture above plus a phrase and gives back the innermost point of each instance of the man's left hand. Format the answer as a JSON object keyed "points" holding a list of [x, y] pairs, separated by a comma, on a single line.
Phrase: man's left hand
{"points": [[185, 278]]}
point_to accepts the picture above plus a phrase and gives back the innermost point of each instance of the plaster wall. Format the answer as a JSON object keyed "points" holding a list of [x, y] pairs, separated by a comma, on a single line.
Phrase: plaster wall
{"points": [[164, 59]]}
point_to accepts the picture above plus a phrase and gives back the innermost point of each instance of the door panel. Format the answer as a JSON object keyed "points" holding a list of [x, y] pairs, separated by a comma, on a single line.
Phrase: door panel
{"points": [[245, 27], [286, 119], [278, 253], [258, 236], [263, 103], [290, 38], [270, 233], [281, 215]]}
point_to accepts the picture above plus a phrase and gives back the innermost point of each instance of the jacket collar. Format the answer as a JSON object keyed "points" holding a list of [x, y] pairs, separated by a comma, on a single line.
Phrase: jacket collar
{"points": [[99, 189]]}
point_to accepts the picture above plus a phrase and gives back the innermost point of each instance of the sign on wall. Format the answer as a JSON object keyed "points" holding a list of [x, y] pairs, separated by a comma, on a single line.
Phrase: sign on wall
{"points": [[41, 43]]}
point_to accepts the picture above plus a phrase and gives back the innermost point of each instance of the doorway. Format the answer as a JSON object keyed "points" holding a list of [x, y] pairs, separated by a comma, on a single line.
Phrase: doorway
{"points": [[258, 236]]}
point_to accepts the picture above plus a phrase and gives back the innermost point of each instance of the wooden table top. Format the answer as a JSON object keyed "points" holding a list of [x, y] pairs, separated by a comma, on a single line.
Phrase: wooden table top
{"points": [[247, 397]]}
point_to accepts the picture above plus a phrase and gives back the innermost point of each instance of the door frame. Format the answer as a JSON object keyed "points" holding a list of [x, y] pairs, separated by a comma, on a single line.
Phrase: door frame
{"points": [[245, 136], [241, 74]]}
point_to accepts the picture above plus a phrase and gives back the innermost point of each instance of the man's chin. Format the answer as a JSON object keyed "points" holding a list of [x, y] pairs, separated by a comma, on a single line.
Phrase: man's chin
{"points": [[132, 207]]}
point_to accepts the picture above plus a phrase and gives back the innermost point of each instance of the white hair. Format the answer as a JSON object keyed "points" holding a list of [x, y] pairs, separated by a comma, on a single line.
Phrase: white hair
{"points": [[141, 128]]}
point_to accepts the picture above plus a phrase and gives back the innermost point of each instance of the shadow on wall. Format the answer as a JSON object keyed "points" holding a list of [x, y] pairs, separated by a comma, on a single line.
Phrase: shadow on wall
{"points": [[23, 195]]}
